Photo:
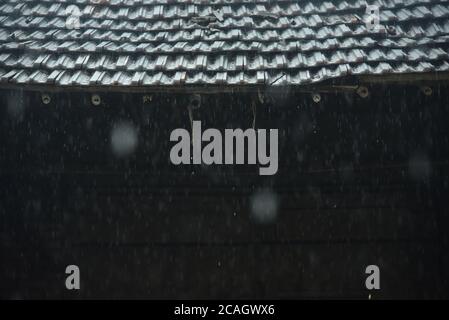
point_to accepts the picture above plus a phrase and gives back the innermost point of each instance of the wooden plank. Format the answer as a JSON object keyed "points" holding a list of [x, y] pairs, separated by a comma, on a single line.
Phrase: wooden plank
{"points": [[287, 271]]}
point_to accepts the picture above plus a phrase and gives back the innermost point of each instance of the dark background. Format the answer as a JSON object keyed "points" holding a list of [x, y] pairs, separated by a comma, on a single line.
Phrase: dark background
{"points": [[360, 182]]}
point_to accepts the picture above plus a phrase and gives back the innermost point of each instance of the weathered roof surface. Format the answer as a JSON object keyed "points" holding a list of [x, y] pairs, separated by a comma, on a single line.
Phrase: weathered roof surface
{"points": [[232, 42]]}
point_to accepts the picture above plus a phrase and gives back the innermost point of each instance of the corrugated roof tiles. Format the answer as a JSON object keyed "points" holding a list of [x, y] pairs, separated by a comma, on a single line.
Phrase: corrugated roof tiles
{"points": [[223, 42]]}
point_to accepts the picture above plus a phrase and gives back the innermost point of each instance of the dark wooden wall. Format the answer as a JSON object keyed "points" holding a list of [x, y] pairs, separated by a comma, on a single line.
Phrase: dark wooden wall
{"points": [[360, 182]]}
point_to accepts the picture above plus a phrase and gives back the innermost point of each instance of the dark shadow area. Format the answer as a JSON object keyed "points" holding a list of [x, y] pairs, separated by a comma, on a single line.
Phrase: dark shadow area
{"points": [[360, 182]]}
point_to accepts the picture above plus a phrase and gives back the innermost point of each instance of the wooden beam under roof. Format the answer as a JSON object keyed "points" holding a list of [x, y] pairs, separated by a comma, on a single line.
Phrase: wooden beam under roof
{"points": [[343, 84]]}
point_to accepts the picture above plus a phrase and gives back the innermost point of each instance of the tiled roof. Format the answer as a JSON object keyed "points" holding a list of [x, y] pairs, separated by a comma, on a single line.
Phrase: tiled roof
{"points": [[220, 42]]}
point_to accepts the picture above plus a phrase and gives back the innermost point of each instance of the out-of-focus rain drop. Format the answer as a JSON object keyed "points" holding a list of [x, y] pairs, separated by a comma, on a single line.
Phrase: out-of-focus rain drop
{"points": [[419, 166], [89, 123], [15, 106], [347, 171], [124, 139], [264, 206]]}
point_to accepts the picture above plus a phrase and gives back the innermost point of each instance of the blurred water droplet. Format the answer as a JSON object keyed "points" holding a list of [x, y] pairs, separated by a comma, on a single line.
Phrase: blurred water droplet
{"points": [[15, 106], [264, 206], [123, 139], [347, 171], [419, 166]]}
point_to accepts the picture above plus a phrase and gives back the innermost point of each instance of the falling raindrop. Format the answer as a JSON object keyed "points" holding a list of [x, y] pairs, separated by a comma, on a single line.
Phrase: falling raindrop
{"points": [[264, 206], [347, 171], [15, 106], [419, 166], [123, 139]]}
